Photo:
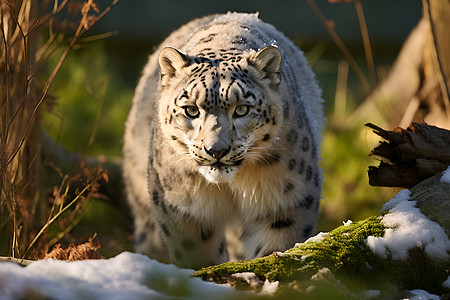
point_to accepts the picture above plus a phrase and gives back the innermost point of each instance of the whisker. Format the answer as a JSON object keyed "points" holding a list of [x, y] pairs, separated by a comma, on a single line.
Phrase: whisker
{"points": [[188, 163], [265, 154], [175, 164], [268, 148], [258, 159], [182, 155]]}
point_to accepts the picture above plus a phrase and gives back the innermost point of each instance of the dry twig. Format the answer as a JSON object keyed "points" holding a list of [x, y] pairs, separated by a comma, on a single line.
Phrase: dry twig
{"points": [[340, 44], [21, 207]]}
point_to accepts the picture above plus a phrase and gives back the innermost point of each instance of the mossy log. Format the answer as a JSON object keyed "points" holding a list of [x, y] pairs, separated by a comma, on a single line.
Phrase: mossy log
{"points": [[347, 261]]}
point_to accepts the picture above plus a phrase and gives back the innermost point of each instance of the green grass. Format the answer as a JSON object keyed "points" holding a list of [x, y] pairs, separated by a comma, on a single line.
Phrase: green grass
{"points": [[91, 101], [346, 192]]}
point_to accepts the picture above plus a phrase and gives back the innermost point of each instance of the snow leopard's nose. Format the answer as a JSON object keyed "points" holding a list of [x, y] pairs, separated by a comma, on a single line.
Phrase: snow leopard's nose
{"points": [[217, 154]]}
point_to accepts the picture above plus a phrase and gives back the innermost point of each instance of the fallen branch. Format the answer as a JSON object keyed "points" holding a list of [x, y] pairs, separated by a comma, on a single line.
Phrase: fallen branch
{"points": [[23, 262], [409, 156]]}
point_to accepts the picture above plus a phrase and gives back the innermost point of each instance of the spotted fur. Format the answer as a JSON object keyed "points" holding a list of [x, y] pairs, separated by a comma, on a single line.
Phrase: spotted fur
{"points": [[221, 144]]}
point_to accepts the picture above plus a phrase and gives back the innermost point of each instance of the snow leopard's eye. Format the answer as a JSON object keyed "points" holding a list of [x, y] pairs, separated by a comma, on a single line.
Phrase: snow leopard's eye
{"points": [[191, 112], [241, 111]]}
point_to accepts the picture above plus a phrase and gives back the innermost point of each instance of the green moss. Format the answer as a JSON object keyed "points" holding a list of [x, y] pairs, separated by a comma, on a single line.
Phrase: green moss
{"points": [[269, 267], [339, 250], [418, 271], [344, 252]]}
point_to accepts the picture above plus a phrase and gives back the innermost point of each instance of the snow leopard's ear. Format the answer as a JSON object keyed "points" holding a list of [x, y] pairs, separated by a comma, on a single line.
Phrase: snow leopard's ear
{"points": [[171, 61], [268, 61]]}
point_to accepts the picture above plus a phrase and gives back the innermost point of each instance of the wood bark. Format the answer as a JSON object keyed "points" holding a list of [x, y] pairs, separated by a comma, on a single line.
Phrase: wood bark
{"points": [[409, 156], [437, 13]]}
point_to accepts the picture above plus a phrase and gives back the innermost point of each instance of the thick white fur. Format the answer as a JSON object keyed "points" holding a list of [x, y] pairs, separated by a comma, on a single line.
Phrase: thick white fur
{"points": [[249, 192]]}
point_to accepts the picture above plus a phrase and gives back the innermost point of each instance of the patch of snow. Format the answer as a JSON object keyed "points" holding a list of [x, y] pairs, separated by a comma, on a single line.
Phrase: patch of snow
{"points": [[269, 288], [317, 238], [422, 295], [407, 228], [126, 276], [247, 276], [310, 288], [371, 294], [447, 283], [347, 223], [321, 273], [403, 195], [446, 176]]}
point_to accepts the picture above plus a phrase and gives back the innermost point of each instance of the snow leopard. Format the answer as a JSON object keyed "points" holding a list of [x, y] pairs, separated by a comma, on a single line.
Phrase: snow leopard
{"points": [[221, 144]]}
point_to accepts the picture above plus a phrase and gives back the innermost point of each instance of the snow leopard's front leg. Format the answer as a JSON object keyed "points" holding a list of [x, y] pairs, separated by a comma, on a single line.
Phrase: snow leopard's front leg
{"points": [[281, 230], [191, 243]]}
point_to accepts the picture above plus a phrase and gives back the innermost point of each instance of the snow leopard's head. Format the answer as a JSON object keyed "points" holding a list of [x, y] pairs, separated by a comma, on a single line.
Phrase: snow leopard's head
{"points": [[219, 109]]}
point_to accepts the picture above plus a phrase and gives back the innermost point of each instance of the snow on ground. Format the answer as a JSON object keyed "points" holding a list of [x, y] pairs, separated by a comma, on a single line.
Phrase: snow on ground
{"points": [[371, 294], [446, 176], [447, 283], [423, 295], [126, 276], [408, 228]]}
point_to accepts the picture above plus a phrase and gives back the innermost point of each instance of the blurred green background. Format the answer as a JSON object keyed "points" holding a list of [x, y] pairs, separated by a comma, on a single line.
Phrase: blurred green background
{"points": [[94, 89]]}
